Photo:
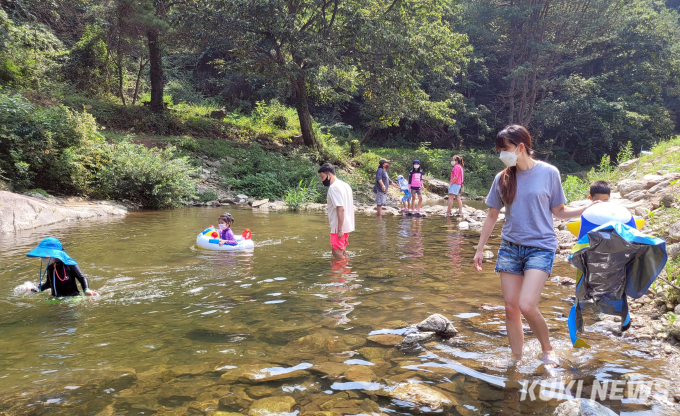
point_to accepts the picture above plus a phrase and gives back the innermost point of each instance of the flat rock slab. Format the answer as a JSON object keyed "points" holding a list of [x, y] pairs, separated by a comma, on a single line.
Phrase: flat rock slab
{"points": [[272, 406], [20, 212], [387, 339], [582, 407], [422, 395]]}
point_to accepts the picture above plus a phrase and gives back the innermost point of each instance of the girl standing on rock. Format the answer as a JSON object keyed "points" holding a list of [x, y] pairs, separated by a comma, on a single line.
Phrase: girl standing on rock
{"points": [[456, 185], [531, 192]]}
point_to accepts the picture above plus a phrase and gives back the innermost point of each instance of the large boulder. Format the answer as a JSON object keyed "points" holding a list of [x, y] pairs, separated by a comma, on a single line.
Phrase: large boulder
{"points": [[652, 180], [21, 212], [582, 407], [673, 250], [436, 186], [674, 231], [629, 185], [628, 165], [659, 186]]}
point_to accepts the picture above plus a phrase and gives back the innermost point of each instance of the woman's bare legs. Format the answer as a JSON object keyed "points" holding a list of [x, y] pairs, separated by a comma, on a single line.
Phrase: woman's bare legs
{"points": [[521, 295], [460, 205]]}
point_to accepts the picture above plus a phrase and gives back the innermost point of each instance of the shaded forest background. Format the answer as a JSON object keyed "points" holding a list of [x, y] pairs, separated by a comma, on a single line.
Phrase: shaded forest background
{"points": [[585, 76]]}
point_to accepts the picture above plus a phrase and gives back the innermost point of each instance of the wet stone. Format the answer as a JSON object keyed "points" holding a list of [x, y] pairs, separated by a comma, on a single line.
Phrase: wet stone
{"points": [[388, 339], [374, 353], [331, 369], [422, 395], [272, 405], [412, 340], [360, 373], [582, 407], [437, 323]]}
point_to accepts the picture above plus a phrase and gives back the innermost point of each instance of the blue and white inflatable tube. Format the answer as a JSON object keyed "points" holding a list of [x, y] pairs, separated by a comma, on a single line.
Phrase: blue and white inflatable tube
{"points": [[206, 240]]}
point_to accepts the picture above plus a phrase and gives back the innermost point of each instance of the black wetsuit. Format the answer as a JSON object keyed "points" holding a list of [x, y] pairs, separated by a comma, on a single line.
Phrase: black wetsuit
{"points": [[62, 282]]}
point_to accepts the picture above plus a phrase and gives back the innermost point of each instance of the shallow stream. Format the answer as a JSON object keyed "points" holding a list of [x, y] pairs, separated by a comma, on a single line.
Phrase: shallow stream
{"points": [[178, 330]]}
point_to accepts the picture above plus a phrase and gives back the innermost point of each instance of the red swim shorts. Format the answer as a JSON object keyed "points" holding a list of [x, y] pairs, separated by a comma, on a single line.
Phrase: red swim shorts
{"points": [[339, 243]]}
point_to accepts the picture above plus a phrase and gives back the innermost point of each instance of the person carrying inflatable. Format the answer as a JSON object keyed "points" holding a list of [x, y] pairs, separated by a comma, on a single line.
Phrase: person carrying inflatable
{"points": [[403, 186], [61, 271], [614, 261]]}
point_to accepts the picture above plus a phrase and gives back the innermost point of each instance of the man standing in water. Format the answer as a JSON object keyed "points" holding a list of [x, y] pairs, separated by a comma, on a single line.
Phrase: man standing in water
{"points": [[340, 208]]}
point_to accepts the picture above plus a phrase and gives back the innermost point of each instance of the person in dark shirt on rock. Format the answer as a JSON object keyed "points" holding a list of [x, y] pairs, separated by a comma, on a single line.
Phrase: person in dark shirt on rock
{"points": [[61, 271]]}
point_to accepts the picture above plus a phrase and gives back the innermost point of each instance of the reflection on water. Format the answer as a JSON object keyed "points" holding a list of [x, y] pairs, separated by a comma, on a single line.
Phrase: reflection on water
{"points": [[184, 331]]}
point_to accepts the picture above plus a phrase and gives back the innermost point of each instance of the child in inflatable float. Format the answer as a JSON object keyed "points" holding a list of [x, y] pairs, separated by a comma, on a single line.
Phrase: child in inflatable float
{"points": [[614, 261], [224, 238]]}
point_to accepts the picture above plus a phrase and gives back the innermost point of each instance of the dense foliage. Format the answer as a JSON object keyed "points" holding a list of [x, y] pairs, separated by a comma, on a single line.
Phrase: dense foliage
{"points": [[57, 149], [585, 76]]}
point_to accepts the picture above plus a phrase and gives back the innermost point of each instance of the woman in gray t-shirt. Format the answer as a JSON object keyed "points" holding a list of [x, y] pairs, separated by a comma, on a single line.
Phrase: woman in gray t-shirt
{"points": [[531, 192]]}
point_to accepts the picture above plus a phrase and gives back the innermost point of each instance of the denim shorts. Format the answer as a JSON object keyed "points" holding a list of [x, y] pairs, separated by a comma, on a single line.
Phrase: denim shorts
{"points": [[416, 191], [454, 189], [514, 258]]}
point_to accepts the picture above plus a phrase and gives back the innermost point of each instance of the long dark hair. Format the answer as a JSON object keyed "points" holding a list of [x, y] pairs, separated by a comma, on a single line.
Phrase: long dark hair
{"points": [[420, 168], [515, 135], [459, 160]]}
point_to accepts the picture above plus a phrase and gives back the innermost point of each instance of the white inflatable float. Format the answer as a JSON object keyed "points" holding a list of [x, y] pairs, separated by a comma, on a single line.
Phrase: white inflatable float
{"points": [[209, 239]]}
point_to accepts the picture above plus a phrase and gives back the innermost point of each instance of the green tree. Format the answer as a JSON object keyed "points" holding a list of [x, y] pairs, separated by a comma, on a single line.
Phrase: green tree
{"points": [[333, 49]]}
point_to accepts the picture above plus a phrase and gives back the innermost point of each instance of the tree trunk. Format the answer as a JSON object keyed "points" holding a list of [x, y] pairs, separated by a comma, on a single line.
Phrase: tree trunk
{"points": [[368, 134], [142, 64], [302, 107], [156, 71], [121, 79]]}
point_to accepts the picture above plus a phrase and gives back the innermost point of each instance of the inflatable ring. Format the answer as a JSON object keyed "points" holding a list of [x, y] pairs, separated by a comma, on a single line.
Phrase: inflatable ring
{"points": [[209, 239], [600, 214]]}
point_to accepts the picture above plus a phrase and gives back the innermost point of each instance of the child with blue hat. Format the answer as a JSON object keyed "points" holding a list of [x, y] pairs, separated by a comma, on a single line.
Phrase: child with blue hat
{"points": [[61, 271]]}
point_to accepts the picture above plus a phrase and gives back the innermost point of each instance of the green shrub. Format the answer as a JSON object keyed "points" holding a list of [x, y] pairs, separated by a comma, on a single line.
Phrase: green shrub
{"points": [[302, 194], [52, 148], [153, 178], [207, 196], [575, 188]]}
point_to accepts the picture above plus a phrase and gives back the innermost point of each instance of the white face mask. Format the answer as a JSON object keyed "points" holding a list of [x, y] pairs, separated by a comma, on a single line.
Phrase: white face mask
{"points": [[222, 226], [416, 166], [453, 163], [509, 158]]}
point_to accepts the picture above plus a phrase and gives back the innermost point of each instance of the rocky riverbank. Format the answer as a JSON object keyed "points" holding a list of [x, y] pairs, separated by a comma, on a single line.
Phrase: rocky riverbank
{"points": [[22, 212]]}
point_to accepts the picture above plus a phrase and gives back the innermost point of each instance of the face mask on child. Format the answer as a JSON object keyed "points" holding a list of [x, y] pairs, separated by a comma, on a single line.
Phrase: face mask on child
{"points": [[222, 226], [453, 163], [416, 166]]}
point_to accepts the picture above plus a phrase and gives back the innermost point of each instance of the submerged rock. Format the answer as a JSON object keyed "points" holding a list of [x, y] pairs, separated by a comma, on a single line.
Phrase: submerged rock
{"points": [[360, 373], [272, 405], [422, 395], [439, 324], [412, 340], [582, 407], [386, 339]]}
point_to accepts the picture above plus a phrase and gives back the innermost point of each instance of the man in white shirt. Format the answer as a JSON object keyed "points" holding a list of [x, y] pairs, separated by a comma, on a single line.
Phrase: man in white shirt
{"points": [[340, 209]]}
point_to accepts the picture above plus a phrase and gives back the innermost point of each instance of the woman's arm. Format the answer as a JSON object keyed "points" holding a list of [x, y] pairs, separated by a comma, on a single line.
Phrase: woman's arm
{"points": [[565, 213], [489, 224]]}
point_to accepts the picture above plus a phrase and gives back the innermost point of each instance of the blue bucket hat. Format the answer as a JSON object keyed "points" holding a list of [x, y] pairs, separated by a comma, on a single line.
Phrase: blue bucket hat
{"points": [[51, 247], [416, 161]]}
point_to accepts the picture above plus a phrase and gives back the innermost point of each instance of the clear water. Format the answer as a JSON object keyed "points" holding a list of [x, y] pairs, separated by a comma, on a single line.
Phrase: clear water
{"points": [[175, 326]]}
